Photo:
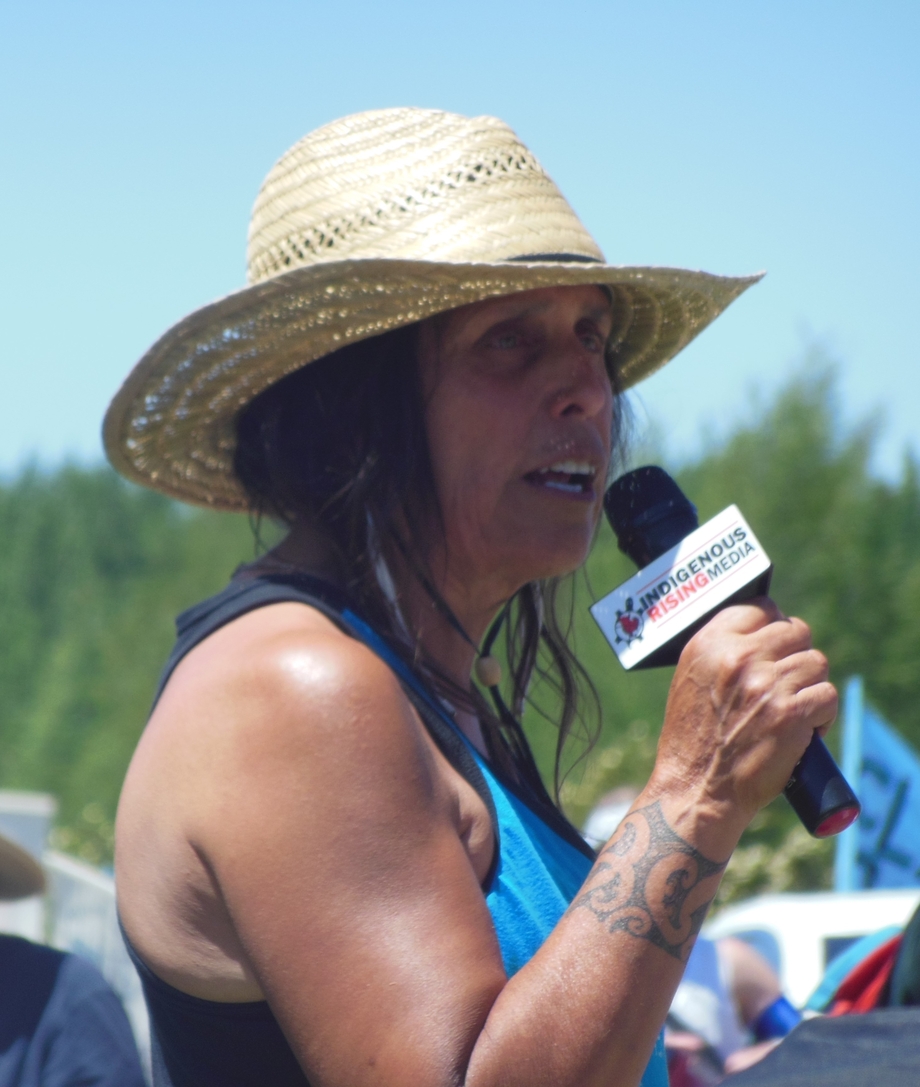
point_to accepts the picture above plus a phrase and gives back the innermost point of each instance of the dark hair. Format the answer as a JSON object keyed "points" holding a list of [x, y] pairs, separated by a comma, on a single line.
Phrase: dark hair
{"points": [[342, 444]]}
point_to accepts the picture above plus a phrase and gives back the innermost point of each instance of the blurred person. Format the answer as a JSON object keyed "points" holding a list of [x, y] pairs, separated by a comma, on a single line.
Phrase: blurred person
{"points": [[61, 1024], [337, 863], [728, 1013]]}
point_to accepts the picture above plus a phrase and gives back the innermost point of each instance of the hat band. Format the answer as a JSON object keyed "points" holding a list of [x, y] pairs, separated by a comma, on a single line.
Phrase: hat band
{"points": [[561, 258]]}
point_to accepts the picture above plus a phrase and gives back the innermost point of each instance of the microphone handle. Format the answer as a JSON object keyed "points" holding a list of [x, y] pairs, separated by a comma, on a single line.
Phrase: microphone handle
{"points": [[819, 794]]}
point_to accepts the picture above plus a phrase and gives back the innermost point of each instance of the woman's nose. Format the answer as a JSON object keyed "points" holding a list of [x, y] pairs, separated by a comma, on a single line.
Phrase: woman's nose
{"points": [[583, 387]]}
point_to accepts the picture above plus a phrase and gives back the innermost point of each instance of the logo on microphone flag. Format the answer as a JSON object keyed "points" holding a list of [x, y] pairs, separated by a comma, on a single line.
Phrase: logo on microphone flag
{"points": [[629, 624], [883, 848], [680, 586]]}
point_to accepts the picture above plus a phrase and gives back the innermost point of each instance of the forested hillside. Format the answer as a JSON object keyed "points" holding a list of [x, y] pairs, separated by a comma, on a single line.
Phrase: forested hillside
{"points": [[94, 571]]}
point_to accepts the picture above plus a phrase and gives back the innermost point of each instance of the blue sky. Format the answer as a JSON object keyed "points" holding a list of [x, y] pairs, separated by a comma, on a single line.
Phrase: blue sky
{"points": [[731, 136]]}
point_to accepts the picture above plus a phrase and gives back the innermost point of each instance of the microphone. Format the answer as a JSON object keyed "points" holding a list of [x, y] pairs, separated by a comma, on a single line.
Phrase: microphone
{"points": [[688, 572]]}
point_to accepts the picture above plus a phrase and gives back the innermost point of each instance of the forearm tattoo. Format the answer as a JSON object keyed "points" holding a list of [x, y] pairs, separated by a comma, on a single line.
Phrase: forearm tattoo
{"points": [[650, 883]]}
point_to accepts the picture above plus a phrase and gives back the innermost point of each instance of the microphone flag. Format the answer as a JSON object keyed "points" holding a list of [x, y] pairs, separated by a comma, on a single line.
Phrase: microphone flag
{"points": [[883, 848], [680, 588]]}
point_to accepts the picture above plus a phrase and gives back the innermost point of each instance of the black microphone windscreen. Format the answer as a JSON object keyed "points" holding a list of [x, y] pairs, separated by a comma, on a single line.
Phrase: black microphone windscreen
{"points": [[649, 513]]}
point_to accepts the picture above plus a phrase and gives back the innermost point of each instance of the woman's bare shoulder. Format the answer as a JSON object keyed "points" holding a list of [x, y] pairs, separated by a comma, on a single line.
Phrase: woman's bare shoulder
{"points": [[280, 682], [262, 640], [296, 770]]}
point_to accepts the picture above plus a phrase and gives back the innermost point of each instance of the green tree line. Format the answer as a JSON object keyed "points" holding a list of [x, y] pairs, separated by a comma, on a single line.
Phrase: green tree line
{"points": [[94, 571]]}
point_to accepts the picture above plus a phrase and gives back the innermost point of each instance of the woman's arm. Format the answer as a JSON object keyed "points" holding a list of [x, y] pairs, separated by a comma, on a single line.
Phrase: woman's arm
{"points": [[336, 836]]}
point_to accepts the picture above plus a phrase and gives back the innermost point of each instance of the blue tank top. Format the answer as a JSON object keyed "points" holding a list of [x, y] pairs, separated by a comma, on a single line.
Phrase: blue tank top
{"points": [[539, 865]]}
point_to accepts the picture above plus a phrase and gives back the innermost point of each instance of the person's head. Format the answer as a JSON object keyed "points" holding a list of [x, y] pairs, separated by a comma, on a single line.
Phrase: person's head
{"points": [[482, 438], [427, 362]]}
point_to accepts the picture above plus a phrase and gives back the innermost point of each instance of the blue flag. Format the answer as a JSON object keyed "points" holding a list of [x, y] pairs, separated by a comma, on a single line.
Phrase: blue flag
{"points": [[883, 848]]}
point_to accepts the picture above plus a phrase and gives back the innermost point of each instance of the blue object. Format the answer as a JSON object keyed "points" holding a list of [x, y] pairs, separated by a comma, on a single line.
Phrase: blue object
{"points": [[883, 848], [776, 1021], [61, 1024]]}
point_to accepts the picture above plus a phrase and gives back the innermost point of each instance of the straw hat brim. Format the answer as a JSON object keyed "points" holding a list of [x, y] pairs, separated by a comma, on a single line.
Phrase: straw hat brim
{"points": [[20, 873], [171, 426]]}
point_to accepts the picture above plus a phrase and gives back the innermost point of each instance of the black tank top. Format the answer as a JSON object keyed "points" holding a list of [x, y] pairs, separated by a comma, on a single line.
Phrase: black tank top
{"points": [[204, 1043]]}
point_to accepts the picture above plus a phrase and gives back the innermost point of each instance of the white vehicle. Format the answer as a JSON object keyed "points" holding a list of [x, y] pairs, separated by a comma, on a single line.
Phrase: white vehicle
{"points": [[801, 934]]}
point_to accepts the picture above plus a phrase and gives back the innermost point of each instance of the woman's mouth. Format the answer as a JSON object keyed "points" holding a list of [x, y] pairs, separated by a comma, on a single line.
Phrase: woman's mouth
{"points": [[572, 477]]}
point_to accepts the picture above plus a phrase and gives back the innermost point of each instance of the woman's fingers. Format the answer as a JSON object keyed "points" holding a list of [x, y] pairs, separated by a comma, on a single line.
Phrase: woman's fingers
{"points": [[804, 675], [818, 705], [771, 636], [802, 669], [784, 638], [753, 614]]}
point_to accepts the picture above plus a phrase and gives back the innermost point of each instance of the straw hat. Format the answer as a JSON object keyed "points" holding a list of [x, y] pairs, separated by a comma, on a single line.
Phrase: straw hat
{"points": [[20, 874], [369, 223]]}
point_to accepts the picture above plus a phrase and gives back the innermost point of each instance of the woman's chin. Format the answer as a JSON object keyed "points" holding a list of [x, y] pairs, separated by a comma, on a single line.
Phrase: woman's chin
{"points": [[540, 564], [521, 550]]}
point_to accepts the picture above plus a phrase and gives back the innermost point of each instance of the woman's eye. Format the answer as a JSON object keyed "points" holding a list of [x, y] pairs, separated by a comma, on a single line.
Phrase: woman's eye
{"points": [[593, 341], [506, 340]]}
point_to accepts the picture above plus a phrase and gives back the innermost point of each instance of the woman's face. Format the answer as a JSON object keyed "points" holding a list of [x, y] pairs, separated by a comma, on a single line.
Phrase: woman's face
{"points": [[518, 413]]}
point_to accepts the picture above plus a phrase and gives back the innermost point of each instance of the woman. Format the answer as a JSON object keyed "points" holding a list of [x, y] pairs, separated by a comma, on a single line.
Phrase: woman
{"points": [[336, 864]]}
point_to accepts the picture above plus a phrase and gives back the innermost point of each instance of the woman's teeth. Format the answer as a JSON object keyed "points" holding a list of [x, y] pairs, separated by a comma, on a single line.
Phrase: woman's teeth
{"points": [[573, 467], [571, 476]]}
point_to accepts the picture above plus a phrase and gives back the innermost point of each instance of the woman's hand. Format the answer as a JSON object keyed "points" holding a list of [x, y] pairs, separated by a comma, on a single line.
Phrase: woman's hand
{"points": [[747, 696]]}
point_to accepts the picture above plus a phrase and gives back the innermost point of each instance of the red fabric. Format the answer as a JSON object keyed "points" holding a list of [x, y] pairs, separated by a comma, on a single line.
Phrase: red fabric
{"points": [[687, 1070], [860, 990]]}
